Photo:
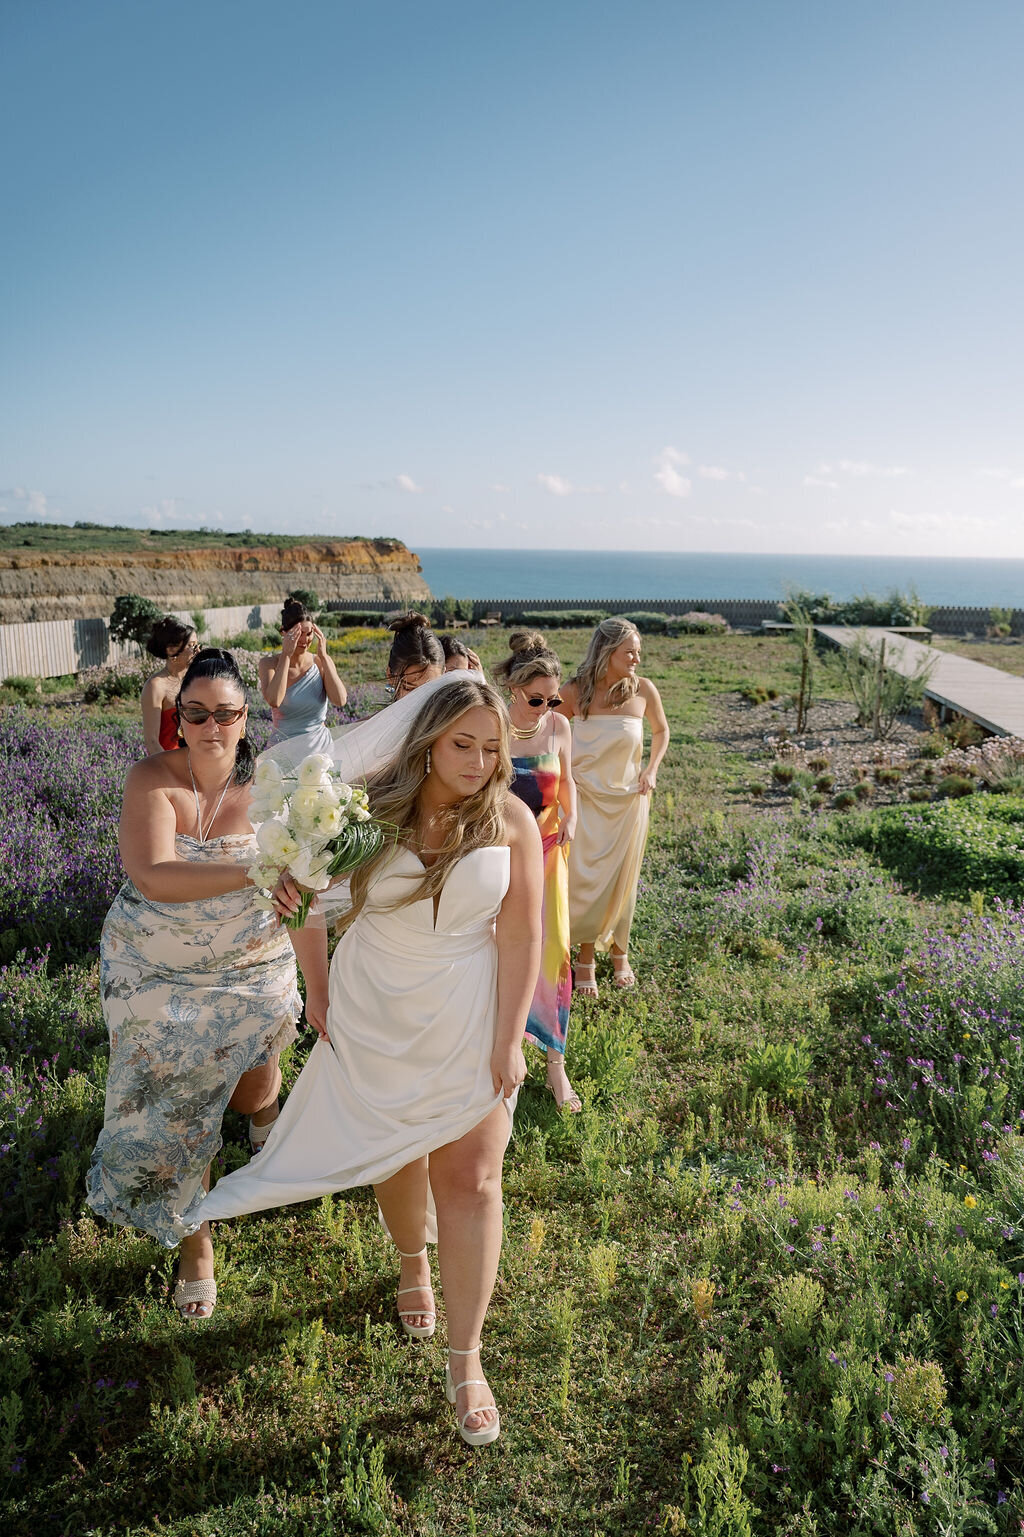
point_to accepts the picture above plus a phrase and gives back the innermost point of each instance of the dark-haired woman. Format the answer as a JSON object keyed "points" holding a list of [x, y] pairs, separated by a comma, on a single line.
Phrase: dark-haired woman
{"points": [[175, 642], [416, 656], [458, 657], [299, 684], [198, 983], [542, 759]]}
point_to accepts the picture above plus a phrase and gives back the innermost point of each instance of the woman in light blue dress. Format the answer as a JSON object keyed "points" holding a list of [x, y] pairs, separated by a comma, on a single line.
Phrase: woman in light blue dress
{"points": [[299, 684]]}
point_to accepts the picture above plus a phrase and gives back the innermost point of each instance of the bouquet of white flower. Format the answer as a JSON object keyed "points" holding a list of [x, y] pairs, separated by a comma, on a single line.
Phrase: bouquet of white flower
{"points": [[310, 823]]}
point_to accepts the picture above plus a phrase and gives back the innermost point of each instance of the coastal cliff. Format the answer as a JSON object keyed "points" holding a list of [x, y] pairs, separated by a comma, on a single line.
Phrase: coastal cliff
{"points": [[38, 584]]}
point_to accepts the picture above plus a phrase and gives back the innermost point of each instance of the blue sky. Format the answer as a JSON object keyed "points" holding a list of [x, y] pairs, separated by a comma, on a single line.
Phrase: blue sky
{"points": [[617, 273]]}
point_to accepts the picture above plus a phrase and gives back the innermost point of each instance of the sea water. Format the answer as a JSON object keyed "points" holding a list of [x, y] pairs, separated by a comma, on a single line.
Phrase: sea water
{"points": [[625, 574]]}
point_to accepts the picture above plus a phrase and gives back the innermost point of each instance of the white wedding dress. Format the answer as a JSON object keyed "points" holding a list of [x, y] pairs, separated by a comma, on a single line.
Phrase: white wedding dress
{"points": [[412, 1013]]}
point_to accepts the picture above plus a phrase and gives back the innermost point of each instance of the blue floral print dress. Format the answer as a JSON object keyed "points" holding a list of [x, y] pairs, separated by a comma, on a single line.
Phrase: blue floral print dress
{"points": [[194, 995]]}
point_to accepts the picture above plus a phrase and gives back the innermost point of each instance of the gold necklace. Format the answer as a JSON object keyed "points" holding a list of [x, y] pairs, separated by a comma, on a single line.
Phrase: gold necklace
{"points": [[524, 734]]}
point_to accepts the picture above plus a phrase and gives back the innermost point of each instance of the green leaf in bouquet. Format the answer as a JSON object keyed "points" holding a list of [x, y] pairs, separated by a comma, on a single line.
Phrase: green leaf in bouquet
{"points": [[358, 843]]}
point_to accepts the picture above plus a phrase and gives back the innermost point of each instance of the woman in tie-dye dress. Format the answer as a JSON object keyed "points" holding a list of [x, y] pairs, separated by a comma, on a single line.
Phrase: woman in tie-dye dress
{"points": [[541, 757]]}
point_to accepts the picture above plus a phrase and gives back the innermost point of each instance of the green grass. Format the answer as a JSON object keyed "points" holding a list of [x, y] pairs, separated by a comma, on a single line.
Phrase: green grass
{"points": [[729, 1299]]}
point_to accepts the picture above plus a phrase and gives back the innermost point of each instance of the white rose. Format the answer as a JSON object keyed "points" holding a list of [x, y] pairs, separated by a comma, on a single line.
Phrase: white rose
{"points": [[332, 822], [268, 775], [276, 843], [270, 801], [305, 808], [309, 867], [312, 771]]}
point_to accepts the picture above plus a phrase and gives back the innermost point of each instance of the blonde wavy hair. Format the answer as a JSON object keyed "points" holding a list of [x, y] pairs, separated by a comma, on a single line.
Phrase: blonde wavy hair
{"points": [[476, 822], [530, 658], [608, 637]]}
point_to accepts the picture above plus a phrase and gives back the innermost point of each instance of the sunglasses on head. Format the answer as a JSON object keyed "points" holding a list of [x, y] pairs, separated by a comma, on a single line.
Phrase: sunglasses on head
{"points": [[536, 700], [198, 715]]}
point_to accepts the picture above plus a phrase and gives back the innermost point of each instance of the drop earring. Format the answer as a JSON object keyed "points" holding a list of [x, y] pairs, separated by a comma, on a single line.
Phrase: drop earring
{"points": [[426, 770]]}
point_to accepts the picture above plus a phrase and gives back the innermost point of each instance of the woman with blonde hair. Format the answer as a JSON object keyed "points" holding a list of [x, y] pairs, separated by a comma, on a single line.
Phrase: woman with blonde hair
{"points": [[608, 703], [412, 1085], [542, 759]]}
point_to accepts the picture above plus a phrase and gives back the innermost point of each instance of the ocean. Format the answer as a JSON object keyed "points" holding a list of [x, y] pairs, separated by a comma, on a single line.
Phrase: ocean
{"points": [[617, 574]]}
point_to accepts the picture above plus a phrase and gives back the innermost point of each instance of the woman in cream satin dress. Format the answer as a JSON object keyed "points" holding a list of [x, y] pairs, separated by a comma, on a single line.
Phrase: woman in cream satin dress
{"points": [[412, 1085], [607, 704]]}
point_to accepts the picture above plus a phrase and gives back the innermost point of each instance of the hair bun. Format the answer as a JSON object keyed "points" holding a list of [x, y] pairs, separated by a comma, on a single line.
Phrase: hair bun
{"points": [[526, 643], [410, 621]]}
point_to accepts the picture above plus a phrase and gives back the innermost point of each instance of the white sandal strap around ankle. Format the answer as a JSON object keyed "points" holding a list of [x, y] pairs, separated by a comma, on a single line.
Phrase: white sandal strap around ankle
{"points": [[426, 1287], [418, 1255], [470, 1352]]}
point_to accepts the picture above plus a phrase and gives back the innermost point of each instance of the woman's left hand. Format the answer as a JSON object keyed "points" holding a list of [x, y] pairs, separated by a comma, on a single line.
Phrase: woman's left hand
{"points": [[646, 782], [566, 830], [316, 634], [508, 1069]]}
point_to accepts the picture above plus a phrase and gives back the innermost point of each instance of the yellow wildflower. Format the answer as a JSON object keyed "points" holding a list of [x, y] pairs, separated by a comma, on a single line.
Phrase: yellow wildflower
{"points": [[961, 1296], [970, 1202], [703, 1295], [1004, 1286]]}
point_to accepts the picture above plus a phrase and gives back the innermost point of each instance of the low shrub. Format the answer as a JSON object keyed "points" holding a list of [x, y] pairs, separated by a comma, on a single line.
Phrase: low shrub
{"points": [[359, 638], [758, 693], [648, 623], [756, 790], [933, 746], [863, 789], [951, 847], [819, 764], [961, 731], [783, 773], [886, 774], [947, 1042], [558, 618], [824, 781], [18, 687], [954, 786], [845, 800], [698, 623], [920, 793]]}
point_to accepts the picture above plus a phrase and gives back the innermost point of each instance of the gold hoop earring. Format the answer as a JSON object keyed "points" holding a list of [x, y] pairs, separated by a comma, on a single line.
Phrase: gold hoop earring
{"points": [[242, 737]]}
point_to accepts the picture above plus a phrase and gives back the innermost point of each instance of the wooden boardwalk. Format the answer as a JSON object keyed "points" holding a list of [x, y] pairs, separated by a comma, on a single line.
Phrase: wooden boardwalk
{"points": [[993, 698]]}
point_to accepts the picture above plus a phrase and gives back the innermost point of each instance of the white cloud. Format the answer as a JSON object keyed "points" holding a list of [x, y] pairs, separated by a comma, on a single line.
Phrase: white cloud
{"points": [[996, 475], [34, 506], [167, 509], [667, 474], [406, 483], [556, 484], [716, 472], [502, 489], [817, 480], [1017, 484], [941, 522], [859, 468]]}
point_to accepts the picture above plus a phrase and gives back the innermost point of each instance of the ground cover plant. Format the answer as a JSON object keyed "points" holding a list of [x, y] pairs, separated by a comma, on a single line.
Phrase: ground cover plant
{"points": [[770, 1281]]}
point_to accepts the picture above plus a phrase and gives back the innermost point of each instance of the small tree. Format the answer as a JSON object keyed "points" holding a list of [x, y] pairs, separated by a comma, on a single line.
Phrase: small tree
{"points": [[133, 618], [307, 598], [803, 637], [880, 692]]}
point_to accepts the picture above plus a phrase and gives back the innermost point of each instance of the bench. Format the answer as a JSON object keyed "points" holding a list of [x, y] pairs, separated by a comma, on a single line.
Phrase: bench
{"points": [[493, 616]]}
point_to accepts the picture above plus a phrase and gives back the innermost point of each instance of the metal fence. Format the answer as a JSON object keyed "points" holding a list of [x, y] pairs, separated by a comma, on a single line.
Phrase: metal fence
{"points": [[58, 646], [54, 647]]}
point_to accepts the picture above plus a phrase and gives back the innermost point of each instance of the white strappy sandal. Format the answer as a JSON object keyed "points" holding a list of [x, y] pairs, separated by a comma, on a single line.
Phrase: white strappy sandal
{"points": [[487, 1433], [259, 1134], [417, 1331]]}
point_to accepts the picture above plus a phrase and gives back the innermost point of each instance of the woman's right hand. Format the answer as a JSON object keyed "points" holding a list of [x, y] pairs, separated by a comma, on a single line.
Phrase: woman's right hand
{"points": [[289, 640], [508, 1069], [286, 896], [316, 1013]]}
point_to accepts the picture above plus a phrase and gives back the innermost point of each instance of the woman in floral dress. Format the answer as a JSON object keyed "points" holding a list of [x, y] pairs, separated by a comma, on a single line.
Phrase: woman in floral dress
{"points": [[198, 983]]}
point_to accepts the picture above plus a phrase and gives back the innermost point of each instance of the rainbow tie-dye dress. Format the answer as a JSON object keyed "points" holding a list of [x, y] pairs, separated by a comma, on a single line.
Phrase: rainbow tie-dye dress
{"points": [[536, 784]]}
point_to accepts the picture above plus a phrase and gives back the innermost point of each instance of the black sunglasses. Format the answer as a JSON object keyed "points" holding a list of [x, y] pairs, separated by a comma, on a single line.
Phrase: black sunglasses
{"points": [[196, 715], [536, 700]]}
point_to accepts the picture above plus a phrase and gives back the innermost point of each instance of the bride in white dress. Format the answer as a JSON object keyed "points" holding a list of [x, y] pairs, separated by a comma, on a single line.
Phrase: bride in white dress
{"points": [[412, 1085]]}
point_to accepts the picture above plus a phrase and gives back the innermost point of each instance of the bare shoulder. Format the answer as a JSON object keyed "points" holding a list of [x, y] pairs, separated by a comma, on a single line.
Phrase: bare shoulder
{"points": [[570, 700], [563, 731], [520, 822], [647, 691], [159, 772]]}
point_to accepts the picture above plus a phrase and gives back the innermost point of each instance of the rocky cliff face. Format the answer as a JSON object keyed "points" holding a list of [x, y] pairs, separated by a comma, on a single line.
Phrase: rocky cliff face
{"points": [[38, 585]]}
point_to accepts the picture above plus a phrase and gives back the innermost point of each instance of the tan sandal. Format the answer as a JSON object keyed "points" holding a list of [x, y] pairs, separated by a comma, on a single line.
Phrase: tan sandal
{"points": [[622, 971], [417, 1331], [584, 979], [186, 1293], [487, 1433], [570, 1102]]}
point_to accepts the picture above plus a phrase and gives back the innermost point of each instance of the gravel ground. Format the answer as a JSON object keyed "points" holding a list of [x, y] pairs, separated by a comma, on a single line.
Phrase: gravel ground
{"points": [[763, 734]]}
